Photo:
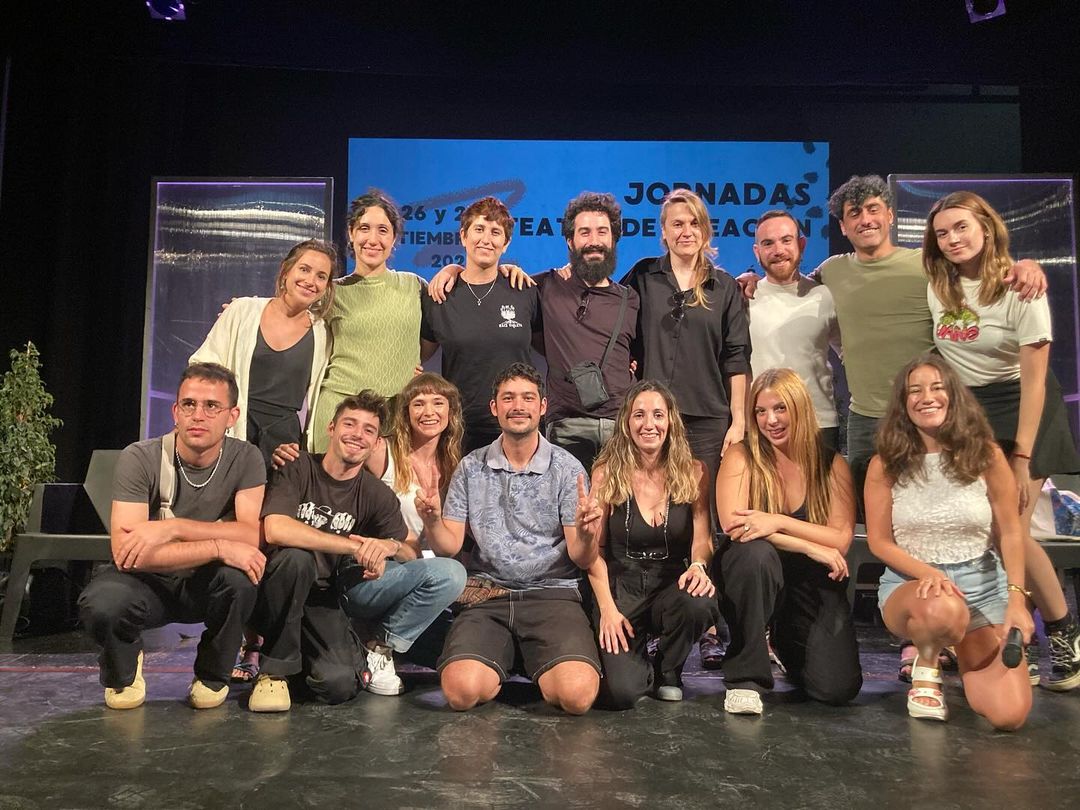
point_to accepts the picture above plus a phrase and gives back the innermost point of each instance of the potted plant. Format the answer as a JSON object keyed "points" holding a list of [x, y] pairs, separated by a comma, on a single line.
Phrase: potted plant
{"points": [[27, 457]]}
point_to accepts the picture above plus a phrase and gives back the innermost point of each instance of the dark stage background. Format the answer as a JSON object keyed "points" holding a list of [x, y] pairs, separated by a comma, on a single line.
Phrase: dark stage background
{"points": [[99, 99]]}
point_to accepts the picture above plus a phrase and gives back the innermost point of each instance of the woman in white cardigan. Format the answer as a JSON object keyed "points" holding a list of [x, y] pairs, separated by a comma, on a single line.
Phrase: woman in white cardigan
{"points": [[278, 347]]}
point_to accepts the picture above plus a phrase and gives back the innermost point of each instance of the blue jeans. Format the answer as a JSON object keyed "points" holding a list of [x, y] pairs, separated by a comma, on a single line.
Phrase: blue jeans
{"points": [[860, 449], [407, 598]]}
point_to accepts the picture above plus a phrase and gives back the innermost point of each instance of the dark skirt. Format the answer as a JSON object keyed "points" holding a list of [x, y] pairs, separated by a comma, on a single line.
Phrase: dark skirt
{"points": [[1055, 449]]}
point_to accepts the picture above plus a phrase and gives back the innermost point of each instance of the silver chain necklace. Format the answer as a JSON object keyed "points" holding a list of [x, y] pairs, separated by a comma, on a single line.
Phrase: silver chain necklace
{"points": [[485, 295], [183, 472]]}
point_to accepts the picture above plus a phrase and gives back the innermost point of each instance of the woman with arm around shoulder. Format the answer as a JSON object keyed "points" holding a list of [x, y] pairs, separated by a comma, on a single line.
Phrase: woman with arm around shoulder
{"points": [[787, 505], [655, 549], [936, 493], [999, 346], [416, 459], [278, 347]]}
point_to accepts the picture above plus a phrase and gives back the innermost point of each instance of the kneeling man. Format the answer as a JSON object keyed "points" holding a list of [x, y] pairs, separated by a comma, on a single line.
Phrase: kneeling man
{"points": [[334, 528], [185, 542], [519, 497]]}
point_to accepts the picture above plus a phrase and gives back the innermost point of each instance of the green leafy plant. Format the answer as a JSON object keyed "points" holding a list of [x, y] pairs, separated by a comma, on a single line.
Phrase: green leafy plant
{"points": [[27, 457]]}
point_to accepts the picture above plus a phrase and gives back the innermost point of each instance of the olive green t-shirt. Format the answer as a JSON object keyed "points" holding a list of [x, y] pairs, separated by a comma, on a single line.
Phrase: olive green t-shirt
{"points": [[884, 321], [375, 323]]}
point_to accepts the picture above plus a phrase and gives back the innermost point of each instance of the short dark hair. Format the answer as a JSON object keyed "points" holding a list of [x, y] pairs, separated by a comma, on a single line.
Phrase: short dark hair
{"points": [[601, 203], [857, 190], [366, 400], [776, 213], [213, 372], [517, 371]]}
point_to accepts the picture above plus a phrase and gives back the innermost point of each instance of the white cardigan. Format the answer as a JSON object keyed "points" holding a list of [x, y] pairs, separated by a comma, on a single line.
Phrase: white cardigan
{"points": [[231, 343]]}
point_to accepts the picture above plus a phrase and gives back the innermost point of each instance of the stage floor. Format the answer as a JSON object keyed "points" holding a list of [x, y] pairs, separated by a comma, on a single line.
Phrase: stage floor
{"points": [[60, 747]]}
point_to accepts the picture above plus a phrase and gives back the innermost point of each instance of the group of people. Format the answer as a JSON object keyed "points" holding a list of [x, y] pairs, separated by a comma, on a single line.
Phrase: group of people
{"points": [[444, 519]]}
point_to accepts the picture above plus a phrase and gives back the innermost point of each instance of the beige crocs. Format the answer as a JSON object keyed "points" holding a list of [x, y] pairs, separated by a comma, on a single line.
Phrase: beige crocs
{"points": [[270, 695], [130, 697], [201, 696]]}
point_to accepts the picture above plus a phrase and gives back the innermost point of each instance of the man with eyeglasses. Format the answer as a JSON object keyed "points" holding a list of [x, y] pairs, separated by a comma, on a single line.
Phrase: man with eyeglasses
{"points": [[584, 311], [521, 499], [185, 543]]}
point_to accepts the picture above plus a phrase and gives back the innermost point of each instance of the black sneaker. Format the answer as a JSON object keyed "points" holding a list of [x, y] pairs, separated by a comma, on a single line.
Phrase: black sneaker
{"points": [[1031, 655], [1064, 659]]}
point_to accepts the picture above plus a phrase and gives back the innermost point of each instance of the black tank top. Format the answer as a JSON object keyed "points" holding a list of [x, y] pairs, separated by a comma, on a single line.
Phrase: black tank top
{"points": [[645, 544]]}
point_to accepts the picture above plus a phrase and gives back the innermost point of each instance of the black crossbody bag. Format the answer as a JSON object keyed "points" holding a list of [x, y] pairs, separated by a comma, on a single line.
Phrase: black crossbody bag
{"points": [[588, 377]]}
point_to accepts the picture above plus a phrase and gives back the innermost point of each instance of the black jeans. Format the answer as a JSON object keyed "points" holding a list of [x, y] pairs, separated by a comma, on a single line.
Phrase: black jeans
{"points": [[118, 605], [651, 600], [307, 637], [812, 631]]}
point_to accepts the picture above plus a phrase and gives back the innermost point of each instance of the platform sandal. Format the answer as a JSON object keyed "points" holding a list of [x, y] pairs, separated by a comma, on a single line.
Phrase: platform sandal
{"points": [[923, 711]]}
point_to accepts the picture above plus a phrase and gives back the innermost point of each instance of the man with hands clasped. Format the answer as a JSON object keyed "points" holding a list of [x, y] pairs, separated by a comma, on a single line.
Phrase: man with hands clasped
{"points": [[337, 529], [185, 542], [523, 501]]}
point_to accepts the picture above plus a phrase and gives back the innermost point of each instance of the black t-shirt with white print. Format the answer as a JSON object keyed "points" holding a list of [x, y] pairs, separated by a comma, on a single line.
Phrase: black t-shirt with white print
{"points": [[363, 505]]}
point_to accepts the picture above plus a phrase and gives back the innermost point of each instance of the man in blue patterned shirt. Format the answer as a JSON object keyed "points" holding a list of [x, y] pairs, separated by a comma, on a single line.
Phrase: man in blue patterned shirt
{"points": [[521, 499]]}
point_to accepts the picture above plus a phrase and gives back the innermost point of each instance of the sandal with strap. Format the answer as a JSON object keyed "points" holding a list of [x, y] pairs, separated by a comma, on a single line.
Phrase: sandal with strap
{"points": [[908, 653], [925, 711], [246, 668]]}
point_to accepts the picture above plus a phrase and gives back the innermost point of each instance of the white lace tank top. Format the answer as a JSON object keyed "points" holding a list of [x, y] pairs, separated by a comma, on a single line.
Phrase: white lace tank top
{"points": [[939, 521]]}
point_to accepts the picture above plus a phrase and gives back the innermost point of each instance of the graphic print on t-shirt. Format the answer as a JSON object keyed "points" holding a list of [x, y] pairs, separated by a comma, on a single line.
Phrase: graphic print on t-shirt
{"points": [[509, 313], [319, 516], [959, 326]]}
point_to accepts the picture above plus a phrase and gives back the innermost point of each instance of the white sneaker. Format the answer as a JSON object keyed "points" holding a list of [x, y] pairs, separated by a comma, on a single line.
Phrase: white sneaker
{"points": [[384, 680], [743, 701]]}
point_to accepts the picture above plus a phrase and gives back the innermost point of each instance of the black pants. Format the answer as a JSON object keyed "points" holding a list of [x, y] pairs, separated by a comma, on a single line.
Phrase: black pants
{"points": [[812, 631], [653, 603], [118, 605], [307, 637]]}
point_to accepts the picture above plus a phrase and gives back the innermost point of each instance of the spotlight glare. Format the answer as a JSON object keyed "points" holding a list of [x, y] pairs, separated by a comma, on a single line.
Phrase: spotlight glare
{"points": [[983, 10], [170, 10]]}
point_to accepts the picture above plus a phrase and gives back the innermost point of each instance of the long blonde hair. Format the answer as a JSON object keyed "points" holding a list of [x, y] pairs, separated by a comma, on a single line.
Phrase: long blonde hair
{"points": [[703, 266], [994, 263], [448, 450], [620, 456], [805, 448]]}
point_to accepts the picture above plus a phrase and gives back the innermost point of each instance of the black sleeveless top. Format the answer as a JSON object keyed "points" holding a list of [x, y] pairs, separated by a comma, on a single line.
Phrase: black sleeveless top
{"points": [[278, 381], [647, 545]]}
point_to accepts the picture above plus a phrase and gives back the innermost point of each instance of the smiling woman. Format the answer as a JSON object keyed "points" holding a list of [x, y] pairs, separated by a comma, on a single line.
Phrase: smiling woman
{"points": [[277, 347], [485, 324], [786, 502]]}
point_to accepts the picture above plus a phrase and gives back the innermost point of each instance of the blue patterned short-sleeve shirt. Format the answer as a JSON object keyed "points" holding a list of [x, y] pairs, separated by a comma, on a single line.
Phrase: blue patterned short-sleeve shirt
{"points": [[517, 517]]}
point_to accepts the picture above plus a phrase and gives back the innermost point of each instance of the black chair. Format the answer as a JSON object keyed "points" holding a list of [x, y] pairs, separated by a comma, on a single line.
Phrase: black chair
{"points": [[66, 522]]}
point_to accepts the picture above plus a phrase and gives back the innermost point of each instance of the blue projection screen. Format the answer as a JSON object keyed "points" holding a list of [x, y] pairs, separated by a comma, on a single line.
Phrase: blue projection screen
{"points": [[433, 181]]}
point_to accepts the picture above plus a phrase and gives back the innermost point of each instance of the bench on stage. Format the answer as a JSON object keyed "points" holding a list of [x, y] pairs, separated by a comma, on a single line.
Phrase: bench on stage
{"points": [[66, 522], [1064, 553]]}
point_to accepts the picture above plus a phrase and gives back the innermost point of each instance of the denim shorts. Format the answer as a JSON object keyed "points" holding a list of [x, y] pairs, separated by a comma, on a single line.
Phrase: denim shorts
{"points": [[981, 580]]}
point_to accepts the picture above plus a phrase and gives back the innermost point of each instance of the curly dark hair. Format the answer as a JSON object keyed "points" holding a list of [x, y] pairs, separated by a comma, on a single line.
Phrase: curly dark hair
{"points": [[966, 439], [858, 190], [374, 198], [601, 203], [517, 371]]}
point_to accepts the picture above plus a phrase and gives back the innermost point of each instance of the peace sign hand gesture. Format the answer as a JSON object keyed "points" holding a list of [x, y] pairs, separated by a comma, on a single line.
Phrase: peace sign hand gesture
{"points": [[428, 502], [589, 514]]}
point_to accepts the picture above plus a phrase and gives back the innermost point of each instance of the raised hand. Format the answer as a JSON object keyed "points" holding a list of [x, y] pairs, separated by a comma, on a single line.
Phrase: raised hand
{"points": [[589, 514], [428, 502]]}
